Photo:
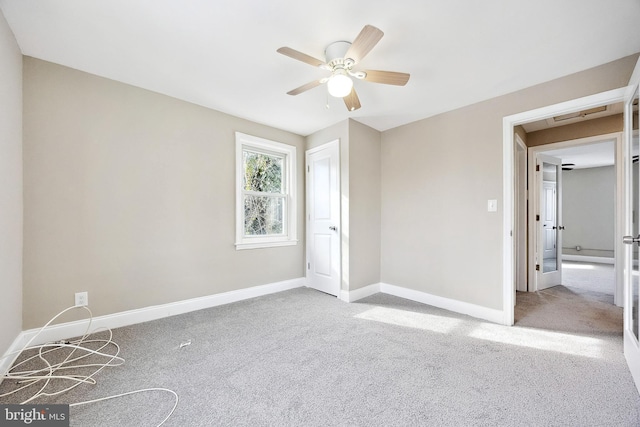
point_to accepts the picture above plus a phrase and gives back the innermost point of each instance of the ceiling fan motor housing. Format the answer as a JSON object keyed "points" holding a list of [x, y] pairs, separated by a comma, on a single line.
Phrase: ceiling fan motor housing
{"points": [[335, 52]]}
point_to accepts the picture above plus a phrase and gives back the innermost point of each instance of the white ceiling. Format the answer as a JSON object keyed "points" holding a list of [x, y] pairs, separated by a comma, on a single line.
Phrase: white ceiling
{"points": [[587, 156], [222, 53], [593, 155]]}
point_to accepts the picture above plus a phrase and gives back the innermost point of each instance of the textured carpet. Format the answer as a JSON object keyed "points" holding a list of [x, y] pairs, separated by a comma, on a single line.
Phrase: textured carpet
{"points": [[301, 357], [594, 281]]}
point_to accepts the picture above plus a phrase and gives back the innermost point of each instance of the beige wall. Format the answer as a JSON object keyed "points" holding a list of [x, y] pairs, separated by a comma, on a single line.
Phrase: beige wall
{"points": [[360, 200], [437, 175], [519, 130], [601, 126], [10, 187], [364, 203], [588, 211], [339, 131], [130, 195]]}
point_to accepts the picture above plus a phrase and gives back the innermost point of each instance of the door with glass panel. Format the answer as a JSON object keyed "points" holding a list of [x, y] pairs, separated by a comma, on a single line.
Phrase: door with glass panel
{"points": [[549, 221], [632, 237]]}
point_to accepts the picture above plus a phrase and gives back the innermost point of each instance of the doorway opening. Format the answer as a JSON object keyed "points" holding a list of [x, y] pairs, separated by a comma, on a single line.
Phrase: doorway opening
{"points": [[514, 234], [573, 237], [575, 210]]}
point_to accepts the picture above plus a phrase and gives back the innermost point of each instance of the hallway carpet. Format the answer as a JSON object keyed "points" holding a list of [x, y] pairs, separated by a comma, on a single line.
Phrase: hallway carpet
{"points": [[593, 280]]}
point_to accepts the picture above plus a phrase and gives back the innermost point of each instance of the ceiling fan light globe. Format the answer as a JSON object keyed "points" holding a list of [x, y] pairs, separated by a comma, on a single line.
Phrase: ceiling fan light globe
{"points": [[339, 85]]}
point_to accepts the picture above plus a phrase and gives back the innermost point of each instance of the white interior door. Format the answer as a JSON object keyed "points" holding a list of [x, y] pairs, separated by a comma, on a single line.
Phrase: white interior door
{"points": [[520, 197], [549, 221], [632, 235], [323, 218]]}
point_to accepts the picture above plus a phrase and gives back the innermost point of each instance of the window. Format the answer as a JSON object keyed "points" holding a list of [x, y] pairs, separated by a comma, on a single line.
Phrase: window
{"points": [[265, 193]]}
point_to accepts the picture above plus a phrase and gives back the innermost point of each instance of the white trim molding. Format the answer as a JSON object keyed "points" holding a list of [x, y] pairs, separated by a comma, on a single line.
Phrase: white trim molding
{"points": [[11, 354], [360, 293], [461, 307], [480, 312], [585, 258], [132, 317]]}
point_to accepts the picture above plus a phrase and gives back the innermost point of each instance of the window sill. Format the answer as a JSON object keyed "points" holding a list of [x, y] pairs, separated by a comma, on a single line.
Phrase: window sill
{"points": [[260, 245]]}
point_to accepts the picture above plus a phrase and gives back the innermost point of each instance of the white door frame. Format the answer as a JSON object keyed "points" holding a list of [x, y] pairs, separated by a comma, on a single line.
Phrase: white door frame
{"points": [[520, 226], [508, 167], [618, 296], [337, 265]]}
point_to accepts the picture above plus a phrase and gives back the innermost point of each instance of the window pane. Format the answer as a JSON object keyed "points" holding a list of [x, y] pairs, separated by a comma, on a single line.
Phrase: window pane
{"points": [[262, 172], [263, 215]]}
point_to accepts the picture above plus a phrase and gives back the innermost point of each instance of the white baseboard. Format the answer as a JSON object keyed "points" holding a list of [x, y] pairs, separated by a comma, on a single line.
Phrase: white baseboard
{"points": [[585, 258], [131, 317], [492, 315], [11, 354], [356, 294], [480, 312]]}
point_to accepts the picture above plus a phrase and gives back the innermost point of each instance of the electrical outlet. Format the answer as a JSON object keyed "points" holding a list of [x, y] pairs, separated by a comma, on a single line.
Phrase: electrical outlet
{"points": [[82, 298]]}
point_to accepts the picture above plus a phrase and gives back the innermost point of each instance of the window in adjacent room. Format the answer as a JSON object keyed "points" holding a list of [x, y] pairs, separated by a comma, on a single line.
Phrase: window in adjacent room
{"points": [[265, 193]]}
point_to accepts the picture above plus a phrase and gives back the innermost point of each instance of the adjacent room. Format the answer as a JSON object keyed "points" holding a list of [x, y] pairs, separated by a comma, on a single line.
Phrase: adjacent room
{"points": [[282, 213]]}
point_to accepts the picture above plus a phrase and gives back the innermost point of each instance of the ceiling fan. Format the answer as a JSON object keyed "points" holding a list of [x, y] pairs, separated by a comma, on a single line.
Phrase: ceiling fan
{"points": [[340, 58]]}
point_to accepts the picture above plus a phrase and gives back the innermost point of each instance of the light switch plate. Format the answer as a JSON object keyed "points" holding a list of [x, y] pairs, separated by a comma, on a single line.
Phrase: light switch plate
{"points": [[492, 206]]}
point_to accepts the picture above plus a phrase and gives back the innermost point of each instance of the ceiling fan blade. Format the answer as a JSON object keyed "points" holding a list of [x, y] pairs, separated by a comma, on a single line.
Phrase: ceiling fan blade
{"points": [[352, 101], [306, 87], [364, 42], [387, 77], [292, 53]]}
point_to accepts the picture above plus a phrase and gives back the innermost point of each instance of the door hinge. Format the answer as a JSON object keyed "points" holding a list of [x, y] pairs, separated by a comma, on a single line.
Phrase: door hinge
{"points": [[308, 169], [308, 266], [537, 267], [537, 168], [537, 217]]}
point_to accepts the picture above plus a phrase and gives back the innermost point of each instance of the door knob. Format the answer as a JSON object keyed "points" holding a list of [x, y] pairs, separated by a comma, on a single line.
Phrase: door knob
{"points": [[333, 228], [561, 227], [630, 240]]}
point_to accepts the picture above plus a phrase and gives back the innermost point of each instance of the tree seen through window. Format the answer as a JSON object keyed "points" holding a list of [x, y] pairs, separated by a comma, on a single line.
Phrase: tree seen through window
{"points": [[264, 198]]}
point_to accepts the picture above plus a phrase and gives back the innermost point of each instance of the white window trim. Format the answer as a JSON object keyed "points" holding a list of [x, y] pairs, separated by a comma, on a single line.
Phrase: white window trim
{"points": [[289, 236]]}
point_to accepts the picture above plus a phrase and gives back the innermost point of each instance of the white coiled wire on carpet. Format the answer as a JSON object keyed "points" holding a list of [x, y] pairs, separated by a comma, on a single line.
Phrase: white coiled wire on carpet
{"points": [[78, 352]]}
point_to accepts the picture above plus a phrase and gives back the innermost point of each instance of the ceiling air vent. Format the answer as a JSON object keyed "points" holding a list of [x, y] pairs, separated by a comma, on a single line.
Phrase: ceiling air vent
{"points": [[582, 114]]}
